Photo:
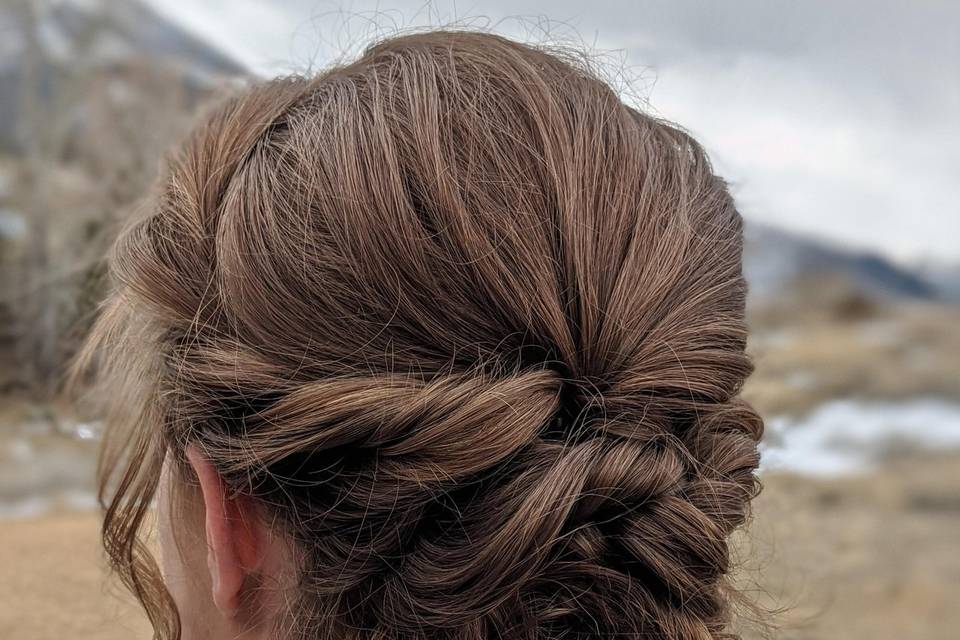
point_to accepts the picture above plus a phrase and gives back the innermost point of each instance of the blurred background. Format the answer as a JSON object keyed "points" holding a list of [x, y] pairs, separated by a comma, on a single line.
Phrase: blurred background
{"points": [[837, 123]]}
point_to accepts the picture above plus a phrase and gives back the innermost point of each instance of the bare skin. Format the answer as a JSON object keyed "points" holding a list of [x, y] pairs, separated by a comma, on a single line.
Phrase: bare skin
{"points": [[219, 558]]}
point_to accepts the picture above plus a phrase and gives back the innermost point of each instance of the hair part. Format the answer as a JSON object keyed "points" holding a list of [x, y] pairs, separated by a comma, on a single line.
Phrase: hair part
{"points": [[467, 325]]}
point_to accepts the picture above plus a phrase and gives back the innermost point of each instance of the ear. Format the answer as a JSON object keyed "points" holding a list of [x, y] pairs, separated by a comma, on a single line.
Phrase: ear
{"points": [[233, 551]]}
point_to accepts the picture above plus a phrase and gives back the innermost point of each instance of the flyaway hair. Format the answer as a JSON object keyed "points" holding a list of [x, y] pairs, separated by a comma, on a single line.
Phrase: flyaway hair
{"points": [[467, 325]]}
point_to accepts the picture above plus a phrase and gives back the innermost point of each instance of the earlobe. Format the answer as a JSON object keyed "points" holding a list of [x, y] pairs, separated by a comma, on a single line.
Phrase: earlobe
{"points": [[231, 543]]}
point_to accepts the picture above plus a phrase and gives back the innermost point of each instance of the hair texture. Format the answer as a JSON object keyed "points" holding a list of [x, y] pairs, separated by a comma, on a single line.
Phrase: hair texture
{"points": [[470, 328]]}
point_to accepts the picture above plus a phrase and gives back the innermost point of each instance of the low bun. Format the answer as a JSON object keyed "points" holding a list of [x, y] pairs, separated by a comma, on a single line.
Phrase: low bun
{"points": [[473, 332]]}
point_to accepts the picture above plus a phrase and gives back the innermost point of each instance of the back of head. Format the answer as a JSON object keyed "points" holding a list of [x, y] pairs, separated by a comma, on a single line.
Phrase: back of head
{"points": [[471, 329]]}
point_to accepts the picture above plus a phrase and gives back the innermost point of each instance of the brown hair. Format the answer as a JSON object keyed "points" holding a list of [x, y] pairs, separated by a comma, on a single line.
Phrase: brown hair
{"points": [[468, 326]]}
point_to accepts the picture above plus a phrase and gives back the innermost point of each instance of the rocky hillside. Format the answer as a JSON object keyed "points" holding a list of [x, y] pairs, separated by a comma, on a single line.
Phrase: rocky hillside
{"points": [[50, 40], [775, 258]]}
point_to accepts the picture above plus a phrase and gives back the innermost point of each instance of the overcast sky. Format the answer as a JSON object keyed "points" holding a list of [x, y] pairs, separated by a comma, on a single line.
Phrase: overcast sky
{"points": [[833, 117]]}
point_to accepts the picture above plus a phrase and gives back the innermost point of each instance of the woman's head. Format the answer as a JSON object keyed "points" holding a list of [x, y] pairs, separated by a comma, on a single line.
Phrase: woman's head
{"points": [[442, 343]]}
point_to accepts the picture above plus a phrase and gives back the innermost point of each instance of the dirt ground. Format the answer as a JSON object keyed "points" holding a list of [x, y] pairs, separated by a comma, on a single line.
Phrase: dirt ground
{"points": [[873, 557], [815, 346], [55, 586], [876, 556]]}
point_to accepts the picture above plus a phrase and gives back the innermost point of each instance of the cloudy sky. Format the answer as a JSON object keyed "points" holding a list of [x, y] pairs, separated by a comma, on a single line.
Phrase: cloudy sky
{"points": [[836, 118]]}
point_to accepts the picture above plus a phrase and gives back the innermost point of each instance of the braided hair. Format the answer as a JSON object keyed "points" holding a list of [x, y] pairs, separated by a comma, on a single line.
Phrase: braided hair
{"points": [[470, 328]]}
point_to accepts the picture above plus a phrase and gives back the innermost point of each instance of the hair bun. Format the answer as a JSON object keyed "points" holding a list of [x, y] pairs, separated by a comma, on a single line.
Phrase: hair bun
{"points": [[472, 329]]}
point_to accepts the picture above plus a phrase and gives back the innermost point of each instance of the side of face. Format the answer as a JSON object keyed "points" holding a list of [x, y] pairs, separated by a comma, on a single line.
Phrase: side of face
{"points": [[183, 556], [215, 555]]}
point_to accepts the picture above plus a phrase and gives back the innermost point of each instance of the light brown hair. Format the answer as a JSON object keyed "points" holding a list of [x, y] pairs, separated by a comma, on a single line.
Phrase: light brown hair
{"points": [[470, 328]]}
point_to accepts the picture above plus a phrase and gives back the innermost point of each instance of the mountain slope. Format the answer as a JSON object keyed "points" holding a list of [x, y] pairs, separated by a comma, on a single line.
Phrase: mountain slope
{"points": [[775, 257], [71, 37]]}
